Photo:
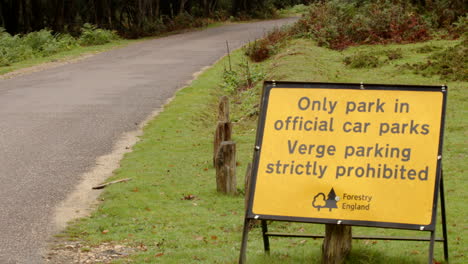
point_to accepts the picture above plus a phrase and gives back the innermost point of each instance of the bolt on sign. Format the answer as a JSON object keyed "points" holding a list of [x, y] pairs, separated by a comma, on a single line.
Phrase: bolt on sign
{"points": [[365, 155]]}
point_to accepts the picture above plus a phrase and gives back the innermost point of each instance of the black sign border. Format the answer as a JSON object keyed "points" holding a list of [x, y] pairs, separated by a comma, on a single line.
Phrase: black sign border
{"points": [[269, 85]]}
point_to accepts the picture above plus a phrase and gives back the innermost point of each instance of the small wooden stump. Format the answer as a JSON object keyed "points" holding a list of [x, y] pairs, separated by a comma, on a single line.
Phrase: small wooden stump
{"points": [[225, 164], [336, 244]]}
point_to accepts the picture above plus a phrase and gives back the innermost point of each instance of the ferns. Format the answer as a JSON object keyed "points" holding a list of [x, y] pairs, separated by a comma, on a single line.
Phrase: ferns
{"points": [[44, 43]]}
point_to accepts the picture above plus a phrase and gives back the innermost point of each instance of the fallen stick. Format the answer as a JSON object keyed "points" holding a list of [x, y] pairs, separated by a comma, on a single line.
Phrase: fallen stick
{"points": [[102, 186]]}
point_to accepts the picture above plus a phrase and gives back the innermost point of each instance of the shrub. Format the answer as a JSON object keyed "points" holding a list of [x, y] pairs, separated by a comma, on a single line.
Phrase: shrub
{"points": [[230, 81], [362, 60], [460, 27], [91, 35], [338, 24], [12, 49], [259, 51], [66, 41], [372, 60], [443, 13], [243, 78], [427, 49], [35, 44], [450, 64], [43, 43], [394, 54], [181, 21], [266, 47], [39, 39]]}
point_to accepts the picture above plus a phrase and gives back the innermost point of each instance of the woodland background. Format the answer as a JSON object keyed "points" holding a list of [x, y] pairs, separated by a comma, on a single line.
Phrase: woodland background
{"points": [[136, 18]]}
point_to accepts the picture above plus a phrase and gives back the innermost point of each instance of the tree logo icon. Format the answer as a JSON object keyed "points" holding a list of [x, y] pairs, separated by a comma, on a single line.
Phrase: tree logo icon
{"points": [[330, 203]]}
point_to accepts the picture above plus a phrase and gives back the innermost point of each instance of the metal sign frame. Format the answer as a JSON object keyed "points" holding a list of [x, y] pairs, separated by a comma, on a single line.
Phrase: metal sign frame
{"points": [[250, 215]]}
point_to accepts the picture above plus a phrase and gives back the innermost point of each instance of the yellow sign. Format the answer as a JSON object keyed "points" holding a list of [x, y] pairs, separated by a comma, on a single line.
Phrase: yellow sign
{"points": [[349, 154]]}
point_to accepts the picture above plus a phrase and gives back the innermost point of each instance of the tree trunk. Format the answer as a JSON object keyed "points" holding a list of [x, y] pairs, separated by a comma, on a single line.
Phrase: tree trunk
{"points": [[140, 15], [182, 6], [59, 22], [156, 10], [11, 17], [336, 244], [213, 6], [26, 15], [206, 8]]}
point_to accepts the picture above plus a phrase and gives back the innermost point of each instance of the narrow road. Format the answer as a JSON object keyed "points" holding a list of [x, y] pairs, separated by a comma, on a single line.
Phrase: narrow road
{"points": [[54, 124]]}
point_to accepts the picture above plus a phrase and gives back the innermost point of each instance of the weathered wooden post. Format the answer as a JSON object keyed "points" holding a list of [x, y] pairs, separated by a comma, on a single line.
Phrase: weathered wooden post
{"points": [[224, 126], [225, 164], [224, 151], [223, 109], [336, 244]]}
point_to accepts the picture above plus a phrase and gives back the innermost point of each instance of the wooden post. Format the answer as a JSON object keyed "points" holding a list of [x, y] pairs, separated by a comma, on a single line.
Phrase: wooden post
{"points": [[223, 133], [223, 109], [225, 164], [224, 126], [248, 175], [336, 244]]}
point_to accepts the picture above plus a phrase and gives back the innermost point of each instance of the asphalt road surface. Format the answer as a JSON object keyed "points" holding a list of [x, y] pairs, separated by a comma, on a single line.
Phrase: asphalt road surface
{"points": [[55, 123]]}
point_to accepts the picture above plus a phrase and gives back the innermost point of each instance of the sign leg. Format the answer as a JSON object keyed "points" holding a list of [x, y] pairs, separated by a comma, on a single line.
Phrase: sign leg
{"points": [[431, 248], [444, 219], [245, 234], [266, 240]]}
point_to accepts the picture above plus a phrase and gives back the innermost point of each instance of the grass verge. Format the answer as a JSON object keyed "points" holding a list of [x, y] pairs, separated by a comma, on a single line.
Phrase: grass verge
{"points": [[170, 211], [63, 56]]}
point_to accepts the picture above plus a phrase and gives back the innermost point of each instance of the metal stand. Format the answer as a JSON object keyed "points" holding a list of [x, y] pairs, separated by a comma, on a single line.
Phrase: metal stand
{"points": [[432, 239], [245, 235], [444, 217], [431, 248], [266, 240], [444, 225]]}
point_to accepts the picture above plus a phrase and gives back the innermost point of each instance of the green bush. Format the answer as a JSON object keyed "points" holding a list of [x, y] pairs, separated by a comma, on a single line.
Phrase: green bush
{"points": [[427, 49], [91, 35], [450, 64], [338, 24], [154, 27], [231, 81], [394, 54], [443, 13], [243, 77], [460, 27], [12, 49], [37, 40], [43, 43], [362, 60], [374, 59], [266, 47]]}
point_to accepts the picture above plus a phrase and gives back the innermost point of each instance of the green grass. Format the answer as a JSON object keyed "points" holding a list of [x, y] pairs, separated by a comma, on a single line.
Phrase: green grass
{"points": [[173, 159], [65, 55]]}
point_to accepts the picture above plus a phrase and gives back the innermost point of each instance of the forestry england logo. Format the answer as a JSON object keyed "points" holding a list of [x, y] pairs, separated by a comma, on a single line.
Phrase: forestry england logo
{"points": [[321, 201]]}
